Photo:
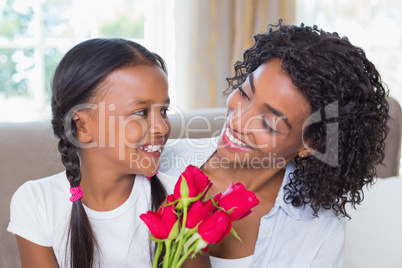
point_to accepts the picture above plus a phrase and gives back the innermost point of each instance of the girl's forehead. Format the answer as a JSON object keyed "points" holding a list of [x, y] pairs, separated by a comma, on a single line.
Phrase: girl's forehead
{"points": [[133, 85]]}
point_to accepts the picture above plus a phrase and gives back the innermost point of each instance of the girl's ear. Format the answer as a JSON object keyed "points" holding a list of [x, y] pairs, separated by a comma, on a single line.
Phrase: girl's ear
{"points": [[83, 134]]}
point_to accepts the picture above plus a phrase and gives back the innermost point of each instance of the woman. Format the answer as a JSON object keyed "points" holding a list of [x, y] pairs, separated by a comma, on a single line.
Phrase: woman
{"points": [[305, 127]]}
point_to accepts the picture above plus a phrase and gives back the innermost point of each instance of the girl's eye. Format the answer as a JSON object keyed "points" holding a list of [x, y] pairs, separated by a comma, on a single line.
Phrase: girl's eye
{"points": [[267, 126], [243, 93], [141, 112], [164, 111]]}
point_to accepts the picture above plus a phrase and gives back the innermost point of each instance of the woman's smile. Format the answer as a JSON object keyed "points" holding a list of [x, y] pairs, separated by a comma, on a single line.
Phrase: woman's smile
{"points": [[232, 141]]}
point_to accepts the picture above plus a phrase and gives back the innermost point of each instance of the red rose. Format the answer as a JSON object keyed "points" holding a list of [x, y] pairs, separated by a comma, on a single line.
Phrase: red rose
{"points": [[196, 182], [236, 197], [198, 211], [214, 228], [162, 224]]}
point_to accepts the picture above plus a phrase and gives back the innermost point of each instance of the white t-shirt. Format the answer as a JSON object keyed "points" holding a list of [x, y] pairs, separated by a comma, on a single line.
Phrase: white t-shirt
{"points": [[230, 263], [40, 213]]}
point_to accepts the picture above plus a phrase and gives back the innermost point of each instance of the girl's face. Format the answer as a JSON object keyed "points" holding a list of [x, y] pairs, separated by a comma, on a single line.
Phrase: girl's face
{"points": [[264, 120], [130, 125]]}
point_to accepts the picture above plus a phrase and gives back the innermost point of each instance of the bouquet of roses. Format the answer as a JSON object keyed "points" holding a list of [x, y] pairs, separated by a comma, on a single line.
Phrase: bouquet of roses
{"points": [[188, 221]]}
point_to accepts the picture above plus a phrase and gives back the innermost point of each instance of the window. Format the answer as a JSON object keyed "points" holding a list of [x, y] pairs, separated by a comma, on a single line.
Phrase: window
{"points": [[34, 35], [373, 25]]}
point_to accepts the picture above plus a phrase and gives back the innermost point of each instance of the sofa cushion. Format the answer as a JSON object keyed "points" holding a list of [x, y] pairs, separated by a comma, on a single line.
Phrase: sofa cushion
{"points": [[374, 234]]}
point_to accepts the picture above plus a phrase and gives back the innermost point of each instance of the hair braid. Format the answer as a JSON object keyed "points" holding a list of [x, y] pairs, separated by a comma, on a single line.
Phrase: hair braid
{"points": [[158, 195], [82, 239]]}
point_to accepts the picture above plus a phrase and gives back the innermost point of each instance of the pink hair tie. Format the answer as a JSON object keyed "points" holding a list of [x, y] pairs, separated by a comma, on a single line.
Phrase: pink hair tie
{"points": [[76, 192], [149, 178]]}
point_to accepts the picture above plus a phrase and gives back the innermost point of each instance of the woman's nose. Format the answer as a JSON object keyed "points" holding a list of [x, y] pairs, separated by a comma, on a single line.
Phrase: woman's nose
{"points": [[242, 118]]}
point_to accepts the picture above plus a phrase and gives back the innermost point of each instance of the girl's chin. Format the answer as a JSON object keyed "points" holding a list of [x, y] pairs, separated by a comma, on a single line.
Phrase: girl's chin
{"points": [[149, 172]]}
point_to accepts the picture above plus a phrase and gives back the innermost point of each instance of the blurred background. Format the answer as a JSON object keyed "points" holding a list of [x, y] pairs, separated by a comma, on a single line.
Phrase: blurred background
{"points": [[199, 39]]}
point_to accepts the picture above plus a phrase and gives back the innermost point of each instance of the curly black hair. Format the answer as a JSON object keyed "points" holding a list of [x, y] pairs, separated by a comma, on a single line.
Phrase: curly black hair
{"points": [[332, 74]]}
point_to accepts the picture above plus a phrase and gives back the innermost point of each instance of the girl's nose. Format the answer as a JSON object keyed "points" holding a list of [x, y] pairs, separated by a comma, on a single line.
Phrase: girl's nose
{"points": [[159, 125]]}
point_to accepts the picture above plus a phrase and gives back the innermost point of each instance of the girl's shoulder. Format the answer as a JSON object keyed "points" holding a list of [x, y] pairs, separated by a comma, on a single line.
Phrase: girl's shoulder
{"points": [[39, 208], [43, 195], [53, 186]]}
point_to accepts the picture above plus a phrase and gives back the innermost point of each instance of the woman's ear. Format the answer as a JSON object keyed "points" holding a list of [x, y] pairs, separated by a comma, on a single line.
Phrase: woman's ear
{"points": [[304, 152], [83, 134]]}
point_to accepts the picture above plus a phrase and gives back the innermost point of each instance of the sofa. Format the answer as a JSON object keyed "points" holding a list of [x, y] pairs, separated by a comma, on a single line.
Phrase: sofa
{"points": [[29, 151]]}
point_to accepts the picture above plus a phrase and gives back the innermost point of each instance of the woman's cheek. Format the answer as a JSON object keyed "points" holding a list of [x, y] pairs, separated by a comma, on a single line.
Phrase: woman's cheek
{"points": [[231, 101]]}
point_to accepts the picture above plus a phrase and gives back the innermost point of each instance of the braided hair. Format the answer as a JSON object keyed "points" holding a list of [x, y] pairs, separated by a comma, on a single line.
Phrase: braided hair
{"points": [[75, 82]]}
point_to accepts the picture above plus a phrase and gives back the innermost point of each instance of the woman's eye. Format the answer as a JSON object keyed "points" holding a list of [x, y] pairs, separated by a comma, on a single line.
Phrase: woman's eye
{"points": [[243, 93], [267, 126], [141, 112], [164, 111]]}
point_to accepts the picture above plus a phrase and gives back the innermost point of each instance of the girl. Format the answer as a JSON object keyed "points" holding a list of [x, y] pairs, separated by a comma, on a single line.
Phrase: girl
{"points": [[109, 103], [306, 122]]}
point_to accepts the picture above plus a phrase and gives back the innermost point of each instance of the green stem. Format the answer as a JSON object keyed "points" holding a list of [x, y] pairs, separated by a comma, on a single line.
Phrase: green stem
{"points": [[157, 254], [185, 256], [166, 259], [190, 233], [173, 250], [181, 239]]}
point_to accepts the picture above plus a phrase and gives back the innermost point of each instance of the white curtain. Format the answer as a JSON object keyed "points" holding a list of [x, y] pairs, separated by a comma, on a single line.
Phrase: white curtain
{"points": [[210, 36]]}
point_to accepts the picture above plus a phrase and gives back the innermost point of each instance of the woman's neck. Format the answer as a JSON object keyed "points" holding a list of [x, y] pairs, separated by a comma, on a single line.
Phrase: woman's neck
{"points": [[259, 180]]}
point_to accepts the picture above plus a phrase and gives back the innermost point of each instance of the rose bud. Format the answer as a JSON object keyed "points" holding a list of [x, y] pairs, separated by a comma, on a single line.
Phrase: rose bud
{"points": [[164, 223], [214, 228], [195, 184], [237, 198], [198, 211]]}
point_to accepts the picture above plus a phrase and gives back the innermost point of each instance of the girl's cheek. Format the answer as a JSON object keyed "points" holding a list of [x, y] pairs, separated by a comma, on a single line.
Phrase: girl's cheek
{"points": [[167, 122], [134, 131]]}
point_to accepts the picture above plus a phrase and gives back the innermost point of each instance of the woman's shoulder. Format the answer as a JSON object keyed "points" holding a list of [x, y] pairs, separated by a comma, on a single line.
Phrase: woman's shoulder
{"points": [[168, 181], [179, 153], [191, 144], [326, 220]]}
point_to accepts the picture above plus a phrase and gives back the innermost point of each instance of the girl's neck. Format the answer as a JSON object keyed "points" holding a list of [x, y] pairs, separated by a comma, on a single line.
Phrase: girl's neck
{"points": [[103, 190]]}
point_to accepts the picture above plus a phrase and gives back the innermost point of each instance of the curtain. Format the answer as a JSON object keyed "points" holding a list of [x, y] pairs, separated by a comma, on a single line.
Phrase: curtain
{"points": [[211, 35]]}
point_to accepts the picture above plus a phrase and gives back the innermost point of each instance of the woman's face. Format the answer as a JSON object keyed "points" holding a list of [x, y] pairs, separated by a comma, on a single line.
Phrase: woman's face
{"points": [[130, 125], [264, 120]]}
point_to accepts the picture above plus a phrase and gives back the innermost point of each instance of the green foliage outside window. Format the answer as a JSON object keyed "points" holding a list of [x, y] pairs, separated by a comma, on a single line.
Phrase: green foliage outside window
{"points": [[15, 64], [16, 17], [14, 24], [124, 27]]}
